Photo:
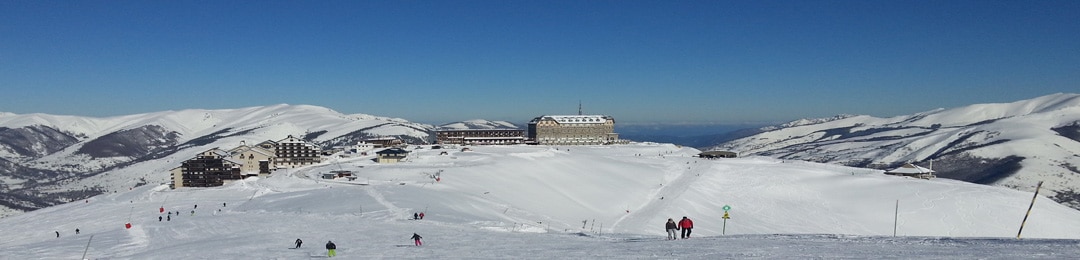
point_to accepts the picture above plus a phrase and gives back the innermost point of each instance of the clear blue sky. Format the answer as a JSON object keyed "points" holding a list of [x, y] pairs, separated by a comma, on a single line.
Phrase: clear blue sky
{"points": [[443, 61]]}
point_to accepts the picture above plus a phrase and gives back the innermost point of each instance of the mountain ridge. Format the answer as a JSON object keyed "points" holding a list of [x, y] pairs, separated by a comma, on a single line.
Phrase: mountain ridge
{"points": [[1004, 144]]}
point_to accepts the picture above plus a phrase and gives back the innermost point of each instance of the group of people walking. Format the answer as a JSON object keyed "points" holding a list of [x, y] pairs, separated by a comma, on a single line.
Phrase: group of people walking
{"points": [[685, 224]]}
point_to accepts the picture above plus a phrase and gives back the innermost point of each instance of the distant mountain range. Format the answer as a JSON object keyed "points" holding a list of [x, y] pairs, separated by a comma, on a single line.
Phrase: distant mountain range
{"points": [[1013, 145], [49, 159]]}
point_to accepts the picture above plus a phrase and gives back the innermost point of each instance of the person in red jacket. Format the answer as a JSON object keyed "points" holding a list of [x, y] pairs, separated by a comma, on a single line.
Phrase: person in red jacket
{"points": [[686, 225]]}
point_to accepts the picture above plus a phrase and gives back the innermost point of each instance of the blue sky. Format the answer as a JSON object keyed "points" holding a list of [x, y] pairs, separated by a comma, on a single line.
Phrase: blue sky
{"points": [[435, 62]]}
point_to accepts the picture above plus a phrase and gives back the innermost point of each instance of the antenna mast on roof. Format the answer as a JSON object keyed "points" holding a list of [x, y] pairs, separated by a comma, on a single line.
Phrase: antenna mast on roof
{"points": [[579, 108]]}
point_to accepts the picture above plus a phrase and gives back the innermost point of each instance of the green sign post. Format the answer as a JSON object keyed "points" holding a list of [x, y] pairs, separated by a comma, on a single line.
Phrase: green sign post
{"points": [[726, 217]]}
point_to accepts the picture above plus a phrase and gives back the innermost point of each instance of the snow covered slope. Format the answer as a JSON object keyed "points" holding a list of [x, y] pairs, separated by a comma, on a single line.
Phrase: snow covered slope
{"points": [[1012, 145], [534, 202], [477, 124], [62, 158]]}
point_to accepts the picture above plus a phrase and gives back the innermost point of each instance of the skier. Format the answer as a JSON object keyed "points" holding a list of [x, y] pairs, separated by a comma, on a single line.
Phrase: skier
{"points": [[330, 249], [159, 218], [671, 228], [76, 231], [686, 225], [196, 206], [57, 233], [421, 215], [223, 204], [167, 218], [415, 216], [298, 242], [416, 238]]}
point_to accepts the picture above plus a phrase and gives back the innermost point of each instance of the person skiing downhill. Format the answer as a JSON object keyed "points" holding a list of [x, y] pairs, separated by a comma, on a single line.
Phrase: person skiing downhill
{"points": [[330, 249], [671, 228], [416, 238], [686, 225], [298, 242]]}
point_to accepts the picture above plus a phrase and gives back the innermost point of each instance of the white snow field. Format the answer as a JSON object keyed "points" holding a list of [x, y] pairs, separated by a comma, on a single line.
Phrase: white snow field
{"points": [[537, 202]]}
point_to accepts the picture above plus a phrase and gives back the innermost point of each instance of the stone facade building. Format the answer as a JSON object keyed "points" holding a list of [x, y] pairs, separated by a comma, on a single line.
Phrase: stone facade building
{"points": [[573, 130]]}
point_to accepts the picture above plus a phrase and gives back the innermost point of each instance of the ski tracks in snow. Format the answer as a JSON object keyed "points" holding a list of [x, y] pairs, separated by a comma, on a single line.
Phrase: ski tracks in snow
{"points": [[685, 172]]}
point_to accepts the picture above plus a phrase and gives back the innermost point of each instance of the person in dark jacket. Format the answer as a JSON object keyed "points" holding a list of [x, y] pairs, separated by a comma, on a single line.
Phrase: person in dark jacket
{"points": [[686, 225], [415, 216], [330, 249], [298, 242], [416, 238], [671, 228]]}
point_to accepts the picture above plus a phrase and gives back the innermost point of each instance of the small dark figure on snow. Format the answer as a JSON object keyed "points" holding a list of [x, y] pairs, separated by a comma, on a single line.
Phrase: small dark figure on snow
{"points": [[416, 238], [76, 231], [421, 215], [170, 213], [686, 225], [57, 233], [196, 206], [330, 249], [159, 218], [298, 242], [223, 204], [415, 216], [167, 218]]}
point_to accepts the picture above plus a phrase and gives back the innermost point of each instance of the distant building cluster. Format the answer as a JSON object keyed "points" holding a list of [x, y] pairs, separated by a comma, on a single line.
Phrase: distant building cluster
{"points": [[542, 130], [216, 166]]}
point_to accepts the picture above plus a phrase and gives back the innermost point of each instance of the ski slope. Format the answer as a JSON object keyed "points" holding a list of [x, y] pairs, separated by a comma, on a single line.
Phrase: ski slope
{"points": [[537, 202]]}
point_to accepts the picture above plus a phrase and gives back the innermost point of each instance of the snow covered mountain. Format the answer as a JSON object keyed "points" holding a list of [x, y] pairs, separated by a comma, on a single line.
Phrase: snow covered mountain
{"points": [[478, 124], [50, 159], [1012, 145], [537, 202]]}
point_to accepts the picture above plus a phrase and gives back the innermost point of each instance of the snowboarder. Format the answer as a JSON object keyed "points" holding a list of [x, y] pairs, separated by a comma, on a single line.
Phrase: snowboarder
{"points": [[415, 216], [671, 228], [421, 215], [298, 242], [686, 225], [330, 249], [416, 238]]}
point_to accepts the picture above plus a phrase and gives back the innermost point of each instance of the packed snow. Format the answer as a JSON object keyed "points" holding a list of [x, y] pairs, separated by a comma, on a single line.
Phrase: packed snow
{"points": [[537, 202]]}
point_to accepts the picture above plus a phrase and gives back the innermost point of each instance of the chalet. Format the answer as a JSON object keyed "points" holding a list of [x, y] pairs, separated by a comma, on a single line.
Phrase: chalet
{"points": [[912, 170], [718, 154], [391, 155], [211, 168], [256, 159]]}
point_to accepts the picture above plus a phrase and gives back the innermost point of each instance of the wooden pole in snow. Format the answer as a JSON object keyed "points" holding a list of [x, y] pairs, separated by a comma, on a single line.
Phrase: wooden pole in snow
{"points": [[896, 216], [1029, 209]]}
